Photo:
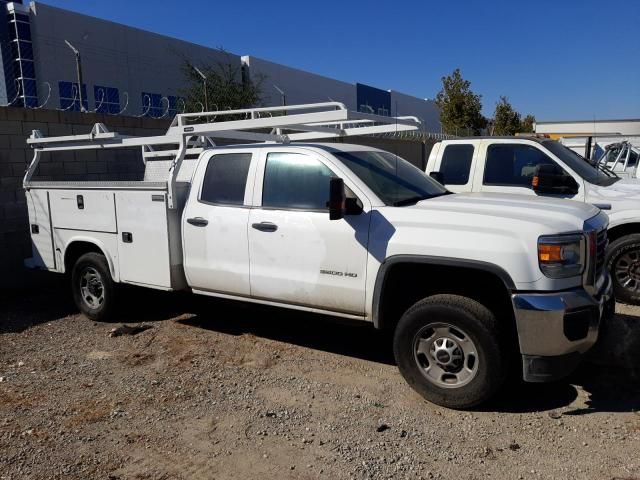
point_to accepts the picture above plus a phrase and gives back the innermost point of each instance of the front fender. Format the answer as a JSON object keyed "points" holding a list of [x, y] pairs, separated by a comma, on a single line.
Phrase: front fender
{"points": [[618, 217], [383, 271]]}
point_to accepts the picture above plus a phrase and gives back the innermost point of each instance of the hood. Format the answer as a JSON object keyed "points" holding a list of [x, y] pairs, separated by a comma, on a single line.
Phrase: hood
{"points": [[489, 228], [624, 189], [555, 215], [621, 200]]}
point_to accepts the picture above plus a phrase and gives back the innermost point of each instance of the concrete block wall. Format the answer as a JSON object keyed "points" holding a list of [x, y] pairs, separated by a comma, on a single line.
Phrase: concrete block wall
{"points": [[16, 125]]}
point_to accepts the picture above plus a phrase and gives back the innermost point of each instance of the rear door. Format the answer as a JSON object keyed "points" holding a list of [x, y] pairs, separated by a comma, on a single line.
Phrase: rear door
{"points": [[214, 224], [456, 162], [299, 256]]}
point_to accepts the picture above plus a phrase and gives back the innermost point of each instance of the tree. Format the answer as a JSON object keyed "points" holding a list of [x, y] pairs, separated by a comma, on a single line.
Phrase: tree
{"points": [[526, 126], [226, 87], [506, 121], [460, 108]]}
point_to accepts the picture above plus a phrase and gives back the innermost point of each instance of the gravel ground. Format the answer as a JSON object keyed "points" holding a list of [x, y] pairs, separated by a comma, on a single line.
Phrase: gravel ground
{"points": [[228, 391]]}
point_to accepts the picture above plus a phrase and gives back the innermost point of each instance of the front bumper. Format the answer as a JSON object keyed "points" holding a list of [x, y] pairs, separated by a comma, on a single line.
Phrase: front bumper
{"points": [[555, 329]]}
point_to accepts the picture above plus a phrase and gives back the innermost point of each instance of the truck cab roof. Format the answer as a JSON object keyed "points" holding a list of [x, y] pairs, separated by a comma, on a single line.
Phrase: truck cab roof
{"points": [[501, 137], [326, 146]]}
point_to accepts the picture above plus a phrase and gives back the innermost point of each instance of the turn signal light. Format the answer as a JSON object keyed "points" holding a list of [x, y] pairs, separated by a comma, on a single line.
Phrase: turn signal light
{"points": [[561, 256], [549, 253]]}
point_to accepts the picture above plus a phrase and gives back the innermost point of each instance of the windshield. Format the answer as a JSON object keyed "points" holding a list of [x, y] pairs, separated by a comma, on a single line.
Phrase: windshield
{"points": [[394, 180], [579, 164]]}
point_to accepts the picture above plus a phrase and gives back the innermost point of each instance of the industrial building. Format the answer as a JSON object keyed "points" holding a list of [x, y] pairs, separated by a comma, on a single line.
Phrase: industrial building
{"points": [[629, 127], [133, 72]]}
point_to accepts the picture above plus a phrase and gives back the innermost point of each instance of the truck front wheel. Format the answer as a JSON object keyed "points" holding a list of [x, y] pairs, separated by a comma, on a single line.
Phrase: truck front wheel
{"points": [[623, 261], [447, 348], [92, 286]]}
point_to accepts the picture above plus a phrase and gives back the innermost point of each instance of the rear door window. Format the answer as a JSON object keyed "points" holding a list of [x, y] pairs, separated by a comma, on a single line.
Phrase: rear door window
{"points": [[455, 165], [225, 179]]}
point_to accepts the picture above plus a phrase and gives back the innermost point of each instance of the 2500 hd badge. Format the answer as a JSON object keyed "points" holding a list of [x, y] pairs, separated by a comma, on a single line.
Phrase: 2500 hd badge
{"points": [[338, 274]]}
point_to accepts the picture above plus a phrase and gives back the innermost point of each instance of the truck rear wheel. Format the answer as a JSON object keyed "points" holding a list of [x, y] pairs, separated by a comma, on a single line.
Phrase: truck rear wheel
{"points": [[92, 286], [447, 348], [623, 261]]}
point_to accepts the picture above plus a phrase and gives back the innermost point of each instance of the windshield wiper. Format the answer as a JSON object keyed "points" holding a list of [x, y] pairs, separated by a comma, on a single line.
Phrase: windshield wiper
{"points": [[411, 200], [418, 198]]}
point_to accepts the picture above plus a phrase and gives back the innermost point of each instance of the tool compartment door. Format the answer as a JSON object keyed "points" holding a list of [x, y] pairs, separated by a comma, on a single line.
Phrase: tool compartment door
{"points": [[143, 238], [90, 210]]}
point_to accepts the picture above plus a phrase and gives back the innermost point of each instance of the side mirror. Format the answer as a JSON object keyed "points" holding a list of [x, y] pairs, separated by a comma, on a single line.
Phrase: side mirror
{"points": [[438, 177], [550, 179], [353, 206], [337, 199]]}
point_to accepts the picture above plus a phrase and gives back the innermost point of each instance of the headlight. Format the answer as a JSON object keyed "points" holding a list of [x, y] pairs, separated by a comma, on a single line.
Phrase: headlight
{"points": [[561, 256]]}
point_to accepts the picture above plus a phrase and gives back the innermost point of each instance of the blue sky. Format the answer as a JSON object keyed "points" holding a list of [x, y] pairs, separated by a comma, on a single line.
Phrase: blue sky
{"points": [[559, 60]]}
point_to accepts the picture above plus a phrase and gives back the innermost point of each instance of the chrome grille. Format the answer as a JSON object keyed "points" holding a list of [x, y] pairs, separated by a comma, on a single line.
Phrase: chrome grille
{"points": [[601, 247]]}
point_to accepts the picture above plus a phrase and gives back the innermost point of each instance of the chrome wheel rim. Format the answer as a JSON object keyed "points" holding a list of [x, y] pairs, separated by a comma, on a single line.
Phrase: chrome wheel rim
{"points": [[627, 270], [91, 288], [445, 355]]}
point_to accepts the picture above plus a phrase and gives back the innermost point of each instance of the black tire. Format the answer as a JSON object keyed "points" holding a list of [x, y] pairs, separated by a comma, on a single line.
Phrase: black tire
{"points": [[467, 317], [619, 253], [98, 304]]}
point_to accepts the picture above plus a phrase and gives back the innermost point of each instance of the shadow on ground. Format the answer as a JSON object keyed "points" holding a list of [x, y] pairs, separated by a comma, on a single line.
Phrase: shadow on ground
{"points": [[612, 382], [23, 308], [610, 388], [318, 332]]}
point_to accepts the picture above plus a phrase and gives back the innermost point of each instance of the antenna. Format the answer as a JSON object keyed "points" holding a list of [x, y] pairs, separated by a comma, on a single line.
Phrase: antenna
{"points": [[78, 71], [204, 86], [595, 135]]}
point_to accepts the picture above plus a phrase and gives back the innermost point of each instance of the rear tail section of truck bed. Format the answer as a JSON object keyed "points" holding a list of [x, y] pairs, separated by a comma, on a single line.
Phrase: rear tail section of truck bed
{"points": [[129, 222]]}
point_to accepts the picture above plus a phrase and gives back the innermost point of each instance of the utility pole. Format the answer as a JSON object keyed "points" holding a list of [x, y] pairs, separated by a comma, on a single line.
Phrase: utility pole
{"points": [[204, 87], [79, 73]]}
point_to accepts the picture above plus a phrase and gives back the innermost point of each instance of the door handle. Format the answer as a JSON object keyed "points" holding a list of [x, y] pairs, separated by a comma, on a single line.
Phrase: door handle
{"points": [[198, 221], [265, 226]]}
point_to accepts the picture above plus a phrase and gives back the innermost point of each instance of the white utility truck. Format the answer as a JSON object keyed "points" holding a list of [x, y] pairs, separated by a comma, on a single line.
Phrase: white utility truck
{"points": [[540, 167], [467, 283]]}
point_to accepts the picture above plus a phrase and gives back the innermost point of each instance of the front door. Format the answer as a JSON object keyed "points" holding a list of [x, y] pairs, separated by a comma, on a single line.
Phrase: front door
{"points": [[299, 256], [510, 168]]}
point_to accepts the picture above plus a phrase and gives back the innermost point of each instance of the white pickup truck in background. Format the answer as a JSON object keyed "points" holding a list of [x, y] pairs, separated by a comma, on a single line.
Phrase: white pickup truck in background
{"points": [[466, 283], [539, 167]]}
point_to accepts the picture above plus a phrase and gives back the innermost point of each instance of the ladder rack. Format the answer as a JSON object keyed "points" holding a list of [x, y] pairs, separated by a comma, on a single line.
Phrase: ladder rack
{"points": [[191, 133]]}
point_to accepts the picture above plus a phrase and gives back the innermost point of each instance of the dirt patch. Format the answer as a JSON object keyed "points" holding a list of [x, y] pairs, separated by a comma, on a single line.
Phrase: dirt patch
{"points": [[90, 412], [255, 393]]}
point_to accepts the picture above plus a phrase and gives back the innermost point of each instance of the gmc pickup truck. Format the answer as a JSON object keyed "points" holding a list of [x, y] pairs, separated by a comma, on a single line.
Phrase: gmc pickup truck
{"points": [[540, 167], [466, 283]]}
